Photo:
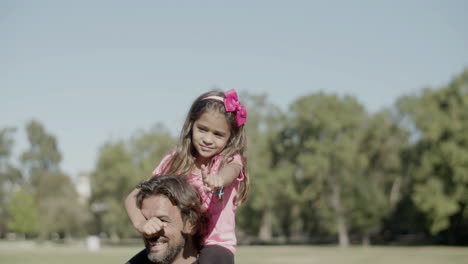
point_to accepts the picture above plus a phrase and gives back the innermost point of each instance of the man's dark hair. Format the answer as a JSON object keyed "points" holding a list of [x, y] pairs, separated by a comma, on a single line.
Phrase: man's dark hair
{"points": [[182, 195]]}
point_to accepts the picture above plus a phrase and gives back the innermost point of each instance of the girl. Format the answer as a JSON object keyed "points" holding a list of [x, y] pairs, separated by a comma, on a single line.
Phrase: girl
{"points": [[211, 156]]}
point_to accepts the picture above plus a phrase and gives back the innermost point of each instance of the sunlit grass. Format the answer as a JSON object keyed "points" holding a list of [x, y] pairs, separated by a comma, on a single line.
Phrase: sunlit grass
{"points": [[51, 254]]}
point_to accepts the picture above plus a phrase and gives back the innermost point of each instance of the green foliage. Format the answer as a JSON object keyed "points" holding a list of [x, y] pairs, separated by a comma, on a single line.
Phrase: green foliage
{"points": [[43, 153], [325, 166], [382, 178], [120, 167], [60, 206], [24, 215], [10, 176], [322, 141], [266, 183], [54, 193], [115, 221], [440, 179], [111, 181], [148, 148], [6, 142], [114, 173]]}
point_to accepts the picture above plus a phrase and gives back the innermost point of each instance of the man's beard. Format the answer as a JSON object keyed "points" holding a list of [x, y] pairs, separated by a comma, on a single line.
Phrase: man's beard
{"points": [[169, 255]]}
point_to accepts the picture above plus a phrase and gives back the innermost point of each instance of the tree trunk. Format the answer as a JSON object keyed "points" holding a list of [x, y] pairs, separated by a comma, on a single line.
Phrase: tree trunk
{"points": [[366, 239], [114, 237], [395, 192], [342, 229], [265, 232]]}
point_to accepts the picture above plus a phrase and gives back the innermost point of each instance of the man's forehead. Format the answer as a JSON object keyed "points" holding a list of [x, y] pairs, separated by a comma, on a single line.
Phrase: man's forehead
{"points": [[159, 205]]}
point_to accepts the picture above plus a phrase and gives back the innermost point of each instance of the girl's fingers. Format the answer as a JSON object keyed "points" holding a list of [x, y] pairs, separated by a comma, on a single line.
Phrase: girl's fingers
{"points": [[211, 182], [153, 226]]}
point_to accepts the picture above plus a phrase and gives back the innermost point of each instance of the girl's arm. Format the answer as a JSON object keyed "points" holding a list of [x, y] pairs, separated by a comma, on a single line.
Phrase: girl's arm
{"points": [[145, 226], [133, 212], [224, 177]]}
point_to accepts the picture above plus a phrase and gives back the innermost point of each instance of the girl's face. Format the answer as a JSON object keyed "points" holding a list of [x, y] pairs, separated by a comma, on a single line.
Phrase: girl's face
{"points": [[210, 134]]}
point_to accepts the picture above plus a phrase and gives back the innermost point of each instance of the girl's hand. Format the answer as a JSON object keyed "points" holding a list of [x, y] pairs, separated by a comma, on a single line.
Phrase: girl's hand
{"points": [[210, 181], [151, 227]]}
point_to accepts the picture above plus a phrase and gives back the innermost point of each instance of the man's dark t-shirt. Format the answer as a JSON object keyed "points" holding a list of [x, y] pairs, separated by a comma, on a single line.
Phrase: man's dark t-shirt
{"points": [[142, 258]]}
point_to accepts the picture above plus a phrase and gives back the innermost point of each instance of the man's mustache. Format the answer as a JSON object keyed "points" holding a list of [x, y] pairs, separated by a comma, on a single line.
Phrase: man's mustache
{"points": [[157, 239]]}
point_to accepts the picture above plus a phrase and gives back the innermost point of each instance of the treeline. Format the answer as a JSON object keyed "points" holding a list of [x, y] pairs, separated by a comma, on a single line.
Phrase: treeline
{"points": [[323, 171]]}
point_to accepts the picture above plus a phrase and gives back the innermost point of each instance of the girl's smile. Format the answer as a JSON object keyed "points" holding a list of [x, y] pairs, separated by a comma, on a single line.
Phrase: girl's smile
{"points": [[210, 134]]}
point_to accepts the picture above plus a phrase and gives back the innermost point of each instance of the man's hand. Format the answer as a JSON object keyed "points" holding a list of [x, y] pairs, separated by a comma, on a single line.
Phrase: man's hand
{"points": [[151, 227], [210, 181]]}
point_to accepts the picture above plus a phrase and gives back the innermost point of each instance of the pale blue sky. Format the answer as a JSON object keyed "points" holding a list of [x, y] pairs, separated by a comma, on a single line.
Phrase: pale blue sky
{"points": [[93, 71]]}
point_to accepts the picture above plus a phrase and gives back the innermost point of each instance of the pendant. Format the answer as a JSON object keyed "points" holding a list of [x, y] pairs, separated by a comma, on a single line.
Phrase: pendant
{"points": [[220, 193]]}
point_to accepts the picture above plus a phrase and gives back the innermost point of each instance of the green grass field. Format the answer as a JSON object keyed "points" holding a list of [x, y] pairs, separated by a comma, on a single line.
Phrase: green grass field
{"points": [[20, 254]]}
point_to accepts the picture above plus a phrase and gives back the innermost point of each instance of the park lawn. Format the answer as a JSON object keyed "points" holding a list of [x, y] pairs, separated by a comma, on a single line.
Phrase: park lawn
{"points": [[248, 254]]}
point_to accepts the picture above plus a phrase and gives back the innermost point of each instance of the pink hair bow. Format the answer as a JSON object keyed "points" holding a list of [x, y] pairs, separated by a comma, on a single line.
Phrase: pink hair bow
{"points": [[231, 103]]}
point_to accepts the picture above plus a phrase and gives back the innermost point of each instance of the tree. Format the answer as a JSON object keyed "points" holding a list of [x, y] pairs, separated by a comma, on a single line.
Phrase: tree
{"points": [[120, 167], [111, 181], [24, 216], [43, 153], [383, 143], [10, 176], [148, 148], [264, 122], [58, 204], [439, 117], [53, 191], [322, 142]]}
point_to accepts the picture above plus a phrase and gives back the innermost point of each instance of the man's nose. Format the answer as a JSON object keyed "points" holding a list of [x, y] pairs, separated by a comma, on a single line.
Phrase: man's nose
{"points": [[154, 237]]}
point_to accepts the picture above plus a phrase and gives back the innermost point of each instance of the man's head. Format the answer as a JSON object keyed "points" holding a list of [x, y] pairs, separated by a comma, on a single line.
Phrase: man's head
{"points": [[177, 204]]}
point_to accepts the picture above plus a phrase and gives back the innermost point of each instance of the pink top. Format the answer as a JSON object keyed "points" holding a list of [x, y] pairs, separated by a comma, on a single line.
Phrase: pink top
{"points": [[221, 212]]}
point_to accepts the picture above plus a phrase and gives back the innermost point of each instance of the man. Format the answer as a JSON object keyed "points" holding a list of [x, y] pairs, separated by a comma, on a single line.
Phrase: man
{"points": [[172, 209]]}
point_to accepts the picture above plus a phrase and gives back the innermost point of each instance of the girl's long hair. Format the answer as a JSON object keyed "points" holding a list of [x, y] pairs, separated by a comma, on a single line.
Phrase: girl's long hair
{"points": [[183, 160]]}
